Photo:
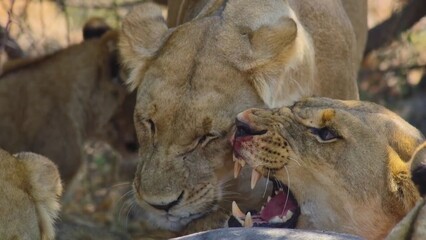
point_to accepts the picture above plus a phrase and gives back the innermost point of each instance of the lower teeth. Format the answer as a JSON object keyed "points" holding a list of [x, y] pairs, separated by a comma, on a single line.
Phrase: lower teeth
{"points": [[278, 219]]}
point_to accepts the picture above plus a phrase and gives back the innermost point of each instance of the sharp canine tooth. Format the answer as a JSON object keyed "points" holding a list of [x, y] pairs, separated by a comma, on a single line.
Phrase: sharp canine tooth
{"points": [[248, 222], [255, 176], [237, 169], [276, 192], [269, 198], [261, 209], [236, 211], [281, 190]]}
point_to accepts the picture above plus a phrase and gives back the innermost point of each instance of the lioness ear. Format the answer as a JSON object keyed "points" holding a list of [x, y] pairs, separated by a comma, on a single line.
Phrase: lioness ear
{"points": [[270, 40], [257, 47], [143, 32], [253, 38], [418, 168]]}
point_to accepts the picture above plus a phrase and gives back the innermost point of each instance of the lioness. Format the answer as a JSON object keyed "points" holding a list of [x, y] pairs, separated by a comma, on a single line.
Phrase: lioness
{"points": [[49, 105], [340, 166], [29, 190], [193, 79]]}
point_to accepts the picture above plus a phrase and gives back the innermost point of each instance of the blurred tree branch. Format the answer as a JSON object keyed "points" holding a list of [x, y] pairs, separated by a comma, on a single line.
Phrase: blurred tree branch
{"points": [[62, 5], [6, 45], [384, 33], [88, 4], [9, 45]]}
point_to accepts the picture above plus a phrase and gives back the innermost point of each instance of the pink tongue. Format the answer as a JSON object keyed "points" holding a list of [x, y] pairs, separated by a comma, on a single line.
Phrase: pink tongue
{"points": [[275, 207]]}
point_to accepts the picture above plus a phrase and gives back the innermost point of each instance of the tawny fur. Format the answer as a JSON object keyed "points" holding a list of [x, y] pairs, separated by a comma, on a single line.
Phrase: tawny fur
{"points": [[358, 183], [412, 226], [50, 105], [30, 187], [193, 79]]}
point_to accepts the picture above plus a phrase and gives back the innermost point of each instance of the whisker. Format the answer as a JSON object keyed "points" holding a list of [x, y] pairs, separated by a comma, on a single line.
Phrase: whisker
{"points": [[230, 199], [120, 185], [294, 159], [128, 212], [288, 189], [225, 180], [122, 207], [230, 194], [130, 192], [266, 185], [125, 203], [218, 206], [301, 90]]}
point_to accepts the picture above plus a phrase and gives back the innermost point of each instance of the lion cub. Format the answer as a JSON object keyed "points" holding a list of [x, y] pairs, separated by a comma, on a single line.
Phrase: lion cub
{"points": [[50, 105], [341, 166], [29, 190]]}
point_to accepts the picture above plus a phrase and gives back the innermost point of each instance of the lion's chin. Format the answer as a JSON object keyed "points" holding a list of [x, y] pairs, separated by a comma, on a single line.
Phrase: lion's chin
{"points": [[164, 220], [168, 222]]}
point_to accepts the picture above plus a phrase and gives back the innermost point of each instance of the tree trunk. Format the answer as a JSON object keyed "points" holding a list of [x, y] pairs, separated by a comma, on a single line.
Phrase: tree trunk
{"points": [[384, 33]]}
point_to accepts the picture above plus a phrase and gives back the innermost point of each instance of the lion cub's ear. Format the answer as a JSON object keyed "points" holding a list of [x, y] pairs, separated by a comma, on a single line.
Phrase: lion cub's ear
{"points": [[143, 32], [95, 27], [45, 188], [418, 168]]}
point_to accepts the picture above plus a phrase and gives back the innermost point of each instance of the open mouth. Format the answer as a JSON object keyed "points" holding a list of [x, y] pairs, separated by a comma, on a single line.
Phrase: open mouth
{"points": [[281, 209]]}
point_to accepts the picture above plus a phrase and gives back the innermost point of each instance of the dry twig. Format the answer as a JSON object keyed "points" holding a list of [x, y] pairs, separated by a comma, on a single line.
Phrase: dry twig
{"points": [[5, 38], [386, 32]]}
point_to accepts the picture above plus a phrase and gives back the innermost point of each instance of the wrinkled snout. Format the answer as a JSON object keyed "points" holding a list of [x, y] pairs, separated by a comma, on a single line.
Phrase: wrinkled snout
{"points": [[245, 129]]}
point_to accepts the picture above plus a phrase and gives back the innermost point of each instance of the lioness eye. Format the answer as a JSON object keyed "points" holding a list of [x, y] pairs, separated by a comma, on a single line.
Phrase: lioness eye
{"points": [[324, 134]]}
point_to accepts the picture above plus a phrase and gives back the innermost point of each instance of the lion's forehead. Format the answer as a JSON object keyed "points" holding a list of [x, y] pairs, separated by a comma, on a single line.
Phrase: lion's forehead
{"points": [[175, 105], [338, 110], [363, 122]]}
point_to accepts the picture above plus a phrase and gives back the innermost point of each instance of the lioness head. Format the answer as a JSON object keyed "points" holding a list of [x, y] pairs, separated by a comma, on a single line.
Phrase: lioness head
{"points": [[29, 190], [192, 80], [344, 166]]}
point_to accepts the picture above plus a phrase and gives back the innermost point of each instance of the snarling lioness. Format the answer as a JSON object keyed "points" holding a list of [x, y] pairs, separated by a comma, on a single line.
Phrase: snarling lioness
{"points": [[343, 166], [29, 190], [193, 79]]}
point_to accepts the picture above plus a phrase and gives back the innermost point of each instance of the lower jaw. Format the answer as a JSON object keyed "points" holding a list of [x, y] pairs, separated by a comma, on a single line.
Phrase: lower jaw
{"points": [[280, 211]]}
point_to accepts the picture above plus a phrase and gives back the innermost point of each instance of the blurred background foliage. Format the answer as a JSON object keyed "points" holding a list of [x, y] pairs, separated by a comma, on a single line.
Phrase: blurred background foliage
{"points": [[393, 72]]}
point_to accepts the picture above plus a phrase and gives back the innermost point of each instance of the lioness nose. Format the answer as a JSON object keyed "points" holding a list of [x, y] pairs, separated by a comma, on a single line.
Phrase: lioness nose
{"points": [[166, 207], [243, 129]]}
